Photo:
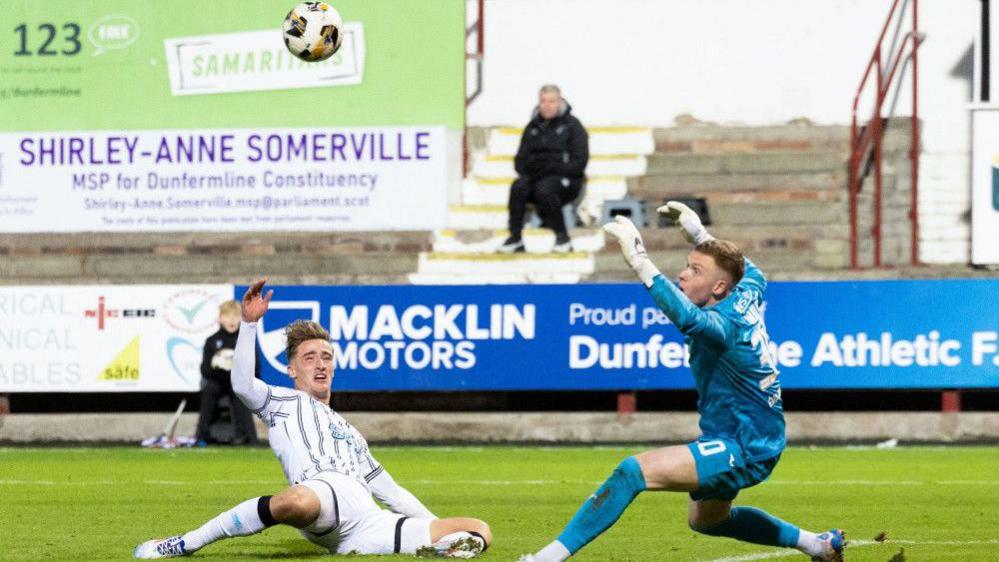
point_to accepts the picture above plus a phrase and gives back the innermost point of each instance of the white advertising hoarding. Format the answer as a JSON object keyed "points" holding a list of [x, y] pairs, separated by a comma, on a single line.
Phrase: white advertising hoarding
{"points": [[985, 186], [322, 179], [106, 338]]}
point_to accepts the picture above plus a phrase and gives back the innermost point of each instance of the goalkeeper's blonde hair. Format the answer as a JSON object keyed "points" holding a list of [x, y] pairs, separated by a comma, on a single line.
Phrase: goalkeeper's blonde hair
{"points": [[301, 331], [727, 256]]}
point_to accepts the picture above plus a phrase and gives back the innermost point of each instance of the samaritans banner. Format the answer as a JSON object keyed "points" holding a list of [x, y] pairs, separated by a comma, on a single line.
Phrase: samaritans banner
{"points": [[188, 115]]}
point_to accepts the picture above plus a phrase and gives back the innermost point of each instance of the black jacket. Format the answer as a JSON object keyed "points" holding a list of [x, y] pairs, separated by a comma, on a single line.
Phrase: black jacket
{"points": [[553, 147], [220, 340]]}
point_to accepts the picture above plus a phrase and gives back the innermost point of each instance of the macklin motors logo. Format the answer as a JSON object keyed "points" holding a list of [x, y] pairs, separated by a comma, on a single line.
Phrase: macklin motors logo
{"points": [[102, 313]]}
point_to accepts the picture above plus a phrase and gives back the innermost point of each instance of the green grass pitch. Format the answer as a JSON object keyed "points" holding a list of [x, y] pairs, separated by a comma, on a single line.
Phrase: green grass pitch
{"points": [[97, 503]]}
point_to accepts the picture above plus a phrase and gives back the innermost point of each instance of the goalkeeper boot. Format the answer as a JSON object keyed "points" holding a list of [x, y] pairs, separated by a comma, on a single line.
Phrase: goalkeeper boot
{"points": [[162, 548], [836, 541], [512, 245]]}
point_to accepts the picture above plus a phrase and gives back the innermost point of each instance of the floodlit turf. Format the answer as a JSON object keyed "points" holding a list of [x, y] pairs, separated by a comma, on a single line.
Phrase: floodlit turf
{"points": [[936, 503]]}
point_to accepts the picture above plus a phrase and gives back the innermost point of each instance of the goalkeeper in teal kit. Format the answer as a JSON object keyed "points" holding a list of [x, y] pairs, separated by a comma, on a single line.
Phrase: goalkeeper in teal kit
{"points": [[716, 305]]}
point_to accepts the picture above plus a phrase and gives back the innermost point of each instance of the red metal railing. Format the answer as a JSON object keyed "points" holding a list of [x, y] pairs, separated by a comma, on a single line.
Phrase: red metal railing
{"points": [[866, 144], [479, 29]]}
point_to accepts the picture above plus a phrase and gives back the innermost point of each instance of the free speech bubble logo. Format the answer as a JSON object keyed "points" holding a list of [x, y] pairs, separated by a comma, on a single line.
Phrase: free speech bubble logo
{"points": [[113, 32]]}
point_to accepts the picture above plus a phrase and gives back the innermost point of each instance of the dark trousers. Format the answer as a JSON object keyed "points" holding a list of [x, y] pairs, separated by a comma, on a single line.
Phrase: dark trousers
{"points": [[548, 194], [243, 430]]}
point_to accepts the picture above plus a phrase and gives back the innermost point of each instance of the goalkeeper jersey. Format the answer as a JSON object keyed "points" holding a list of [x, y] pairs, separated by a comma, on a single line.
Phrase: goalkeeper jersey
{"points": [[735, 373]]}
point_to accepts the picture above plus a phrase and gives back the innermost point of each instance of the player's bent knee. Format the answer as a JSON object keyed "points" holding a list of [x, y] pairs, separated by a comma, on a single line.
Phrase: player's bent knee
{"points": [[443, 527], [482, 528], [297, 506], [705, 528]]}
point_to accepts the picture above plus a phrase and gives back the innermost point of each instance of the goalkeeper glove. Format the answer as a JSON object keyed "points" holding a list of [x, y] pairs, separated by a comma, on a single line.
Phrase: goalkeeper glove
{"points": [[687, 220], [632, 247]]}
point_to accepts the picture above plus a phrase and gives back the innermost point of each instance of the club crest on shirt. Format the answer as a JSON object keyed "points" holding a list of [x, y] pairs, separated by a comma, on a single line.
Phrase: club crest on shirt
{"points": [[341, 433], [337, 431]]}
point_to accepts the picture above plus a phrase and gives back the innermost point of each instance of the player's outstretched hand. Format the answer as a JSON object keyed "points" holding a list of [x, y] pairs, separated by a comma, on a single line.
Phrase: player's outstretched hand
{"points": [[687, 221], [254, 302], [632, 247], [624, 231]]}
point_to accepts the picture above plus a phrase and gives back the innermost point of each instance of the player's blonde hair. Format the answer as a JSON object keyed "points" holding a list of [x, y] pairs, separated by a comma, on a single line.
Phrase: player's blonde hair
{"points": [[301, 331], [229, 307], [727, 256]]}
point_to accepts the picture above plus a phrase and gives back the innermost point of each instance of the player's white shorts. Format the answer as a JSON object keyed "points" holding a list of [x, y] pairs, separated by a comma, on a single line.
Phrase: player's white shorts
{"points": [[350, 520]]}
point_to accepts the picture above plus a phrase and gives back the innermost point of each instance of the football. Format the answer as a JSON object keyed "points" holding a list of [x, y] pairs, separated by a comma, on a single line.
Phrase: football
{"points": [[313, 31]]}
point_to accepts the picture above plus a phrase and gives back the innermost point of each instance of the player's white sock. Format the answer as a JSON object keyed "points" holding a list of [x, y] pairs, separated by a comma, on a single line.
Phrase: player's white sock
{"points": [[810, 544], [245, 519], [555, 552]]}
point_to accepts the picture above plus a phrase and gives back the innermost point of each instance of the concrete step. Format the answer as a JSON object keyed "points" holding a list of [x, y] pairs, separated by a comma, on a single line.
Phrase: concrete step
{"points": [[801, 138], [131, 268], [496, 191], [209, 243], [488, 166], [750, 163], [462, 264], [495, 279], [537, 240], [751, 238], [611, 264], [504, 141], [772, 133], [767, 213], [695, 183], [724, 212], [713, 198], [902, 271], [476, 217]]}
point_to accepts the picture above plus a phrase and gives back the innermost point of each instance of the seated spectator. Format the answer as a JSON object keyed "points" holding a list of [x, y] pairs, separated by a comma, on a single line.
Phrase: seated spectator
{"points": [[216, 365], [550, 165]]}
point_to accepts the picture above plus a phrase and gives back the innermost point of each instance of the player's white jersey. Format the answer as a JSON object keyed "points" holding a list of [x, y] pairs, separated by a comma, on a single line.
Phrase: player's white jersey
{"points": [[308, 437]]}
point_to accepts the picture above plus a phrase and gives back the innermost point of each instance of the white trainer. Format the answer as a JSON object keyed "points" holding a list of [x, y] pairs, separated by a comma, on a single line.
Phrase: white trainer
{"points": [[161, 548]]}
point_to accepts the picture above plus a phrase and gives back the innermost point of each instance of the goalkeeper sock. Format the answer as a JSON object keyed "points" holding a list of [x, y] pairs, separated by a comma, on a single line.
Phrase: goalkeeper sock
{"points": [[605, 506], [749, 524], [247, 518]]}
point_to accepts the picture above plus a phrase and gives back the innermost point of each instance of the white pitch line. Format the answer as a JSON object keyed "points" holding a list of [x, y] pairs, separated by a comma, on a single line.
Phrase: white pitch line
{"points": [[783, 553], [500, 482], [788, 552]]}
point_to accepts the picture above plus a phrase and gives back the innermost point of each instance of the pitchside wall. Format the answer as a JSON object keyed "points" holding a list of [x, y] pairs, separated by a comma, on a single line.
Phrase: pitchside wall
{"points": [[756, 63]]}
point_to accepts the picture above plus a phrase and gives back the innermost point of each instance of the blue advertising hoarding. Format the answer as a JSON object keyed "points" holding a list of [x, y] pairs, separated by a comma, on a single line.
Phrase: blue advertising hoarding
{"points": [[869, 334]]}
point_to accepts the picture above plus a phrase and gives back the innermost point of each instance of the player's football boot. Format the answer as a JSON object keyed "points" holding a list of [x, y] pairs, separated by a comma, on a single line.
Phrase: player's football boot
{"points": [[836, 541], [456, 545], [161, 548], [526, 558]]}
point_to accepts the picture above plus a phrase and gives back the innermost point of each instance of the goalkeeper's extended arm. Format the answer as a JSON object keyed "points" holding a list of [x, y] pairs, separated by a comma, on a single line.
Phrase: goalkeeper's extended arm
{"points": [[687, 220], [633, 249]]}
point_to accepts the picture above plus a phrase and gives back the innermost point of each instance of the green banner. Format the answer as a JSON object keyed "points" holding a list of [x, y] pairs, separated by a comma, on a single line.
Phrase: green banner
{"points": [[177, 64]]}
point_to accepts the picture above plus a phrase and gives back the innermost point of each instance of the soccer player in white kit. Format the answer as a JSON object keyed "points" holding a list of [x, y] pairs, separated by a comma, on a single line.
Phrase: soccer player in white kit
{"points": [[330, 471]]}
